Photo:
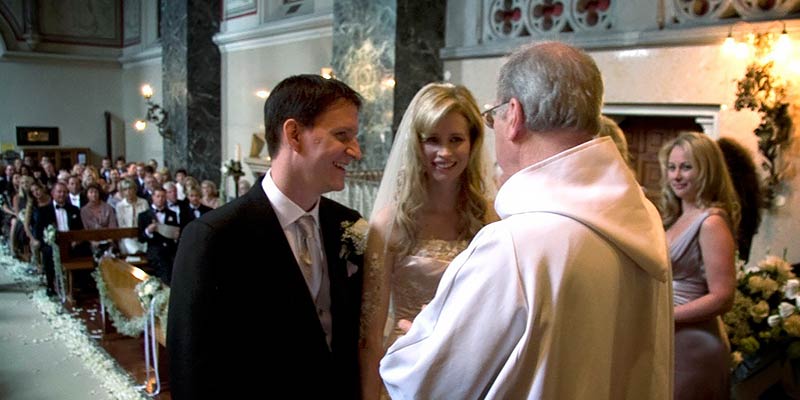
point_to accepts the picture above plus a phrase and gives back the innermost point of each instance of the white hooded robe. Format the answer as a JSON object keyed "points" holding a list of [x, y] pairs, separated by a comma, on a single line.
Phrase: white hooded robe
{"points": [[567, 297]]}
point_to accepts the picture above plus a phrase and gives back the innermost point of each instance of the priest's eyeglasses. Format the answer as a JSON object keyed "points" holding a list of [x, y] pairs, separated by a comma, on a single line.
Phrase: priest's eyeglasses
{"points": [[488, 115]]}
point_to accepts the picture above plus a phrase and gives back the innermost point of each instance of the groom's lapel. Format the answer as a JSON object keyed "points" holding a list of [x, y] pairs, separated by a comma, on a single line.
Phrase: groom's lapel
{"points": [[331, 226], [264, 221]]}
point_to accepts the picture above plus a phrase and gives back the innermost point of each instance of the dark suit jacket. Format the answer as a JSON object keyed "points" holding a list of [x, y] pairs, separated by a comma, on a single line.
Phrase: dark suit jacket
{"points": [[141, 191], [183, 217], [46, 215], [190, 213], [234, 266], [83, 200], [160, 250]]}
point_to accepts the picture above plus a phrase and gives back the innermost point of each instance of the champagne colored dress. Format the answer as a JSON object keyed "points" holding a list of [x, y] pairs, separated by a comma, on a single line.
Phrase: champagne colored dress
{"points": [[416, 278], [702, 359]]}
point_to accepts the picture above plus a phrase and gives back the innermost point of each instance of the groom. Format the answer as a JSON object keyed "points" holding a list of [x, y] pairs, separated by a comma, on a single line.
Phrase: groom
{"points": [[272, 258]]}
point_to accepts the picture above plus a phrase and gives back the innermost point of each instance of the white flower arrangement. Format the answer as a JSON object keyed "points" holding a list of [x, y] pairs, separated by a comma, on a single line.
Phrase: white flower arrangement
{"points": [[354, 238], [146, 291], [151, 290], [132, 327], [60, 276]]}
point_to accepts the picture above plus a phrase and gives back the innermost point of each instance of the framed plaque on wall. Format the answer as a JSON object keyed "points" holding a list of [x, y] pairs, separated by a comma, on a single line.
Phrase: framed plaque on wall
{"points": [[37, 136]]}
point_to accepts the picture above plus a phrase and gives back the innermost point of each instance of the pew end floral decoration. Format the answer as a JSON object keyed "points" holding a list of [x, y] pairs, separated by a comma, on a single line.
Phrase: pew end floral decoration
{"points": [[152, 290], [60, 277], [764, 322]]}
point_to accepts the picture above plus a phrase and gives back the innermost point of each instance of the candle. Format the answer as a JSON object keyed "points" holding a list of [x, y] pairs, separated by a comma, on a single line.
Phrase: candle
{"points": [[147, 91], [238, 154]]}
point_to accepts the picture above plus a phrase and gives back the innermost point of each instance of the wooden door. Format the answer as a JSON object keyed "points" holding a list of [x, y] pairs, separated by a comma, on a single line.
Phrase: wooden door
{"points": [[645, 137]]}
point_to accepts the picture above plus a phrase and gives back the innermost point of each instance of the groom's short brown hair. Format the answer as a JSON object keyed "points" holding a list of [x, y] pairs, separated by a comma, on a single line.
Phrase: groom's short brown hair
{"points": [[302, 98]]}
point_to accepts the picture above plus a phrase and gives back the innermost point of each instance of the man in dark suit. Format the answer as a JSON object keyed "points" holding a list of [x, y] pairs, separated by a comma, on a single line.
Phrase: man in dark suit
{"points": [[160, 249], [194, 208], [248, 260], [62, 215], [142, 172], [180, 208], [76, 195]]}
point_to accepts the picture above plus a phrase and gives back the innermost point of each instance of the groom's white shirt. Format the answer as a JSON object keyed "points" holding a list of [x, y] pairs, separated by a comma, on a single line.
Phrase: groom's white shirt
{"points": [[288, 212], [567, 297]]}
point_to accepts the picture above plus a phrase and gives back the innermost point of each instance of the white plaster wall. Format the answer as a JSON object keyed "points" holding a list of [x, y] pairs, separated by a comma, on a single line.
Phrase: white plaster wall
{"points": [[247, 71], [72, 96], [141, 146], [699, 74]]}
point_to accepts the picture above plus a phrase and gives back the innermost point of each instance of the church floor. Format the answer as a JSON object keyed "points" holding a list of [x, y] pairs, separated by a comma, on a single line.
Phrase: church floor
{"points": [[45, 356]]}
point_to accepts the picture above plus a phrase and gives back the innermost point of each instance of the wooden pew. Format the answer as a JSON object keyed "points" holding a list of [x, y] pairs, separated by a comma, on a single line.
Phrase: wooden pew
{"points": [[120, 279], [65, 240]]}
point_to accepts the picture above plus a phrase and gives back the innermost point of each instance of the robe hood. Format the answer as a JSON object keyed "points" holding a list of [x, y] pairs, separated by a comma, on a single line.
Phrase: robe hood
{"points": [[590, 183]]}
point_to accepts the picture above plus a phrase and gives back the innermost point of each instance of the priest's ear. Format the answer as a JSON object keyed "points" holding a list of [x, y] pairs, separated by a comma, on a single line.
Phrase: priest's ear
{"points": [[515, 119]]}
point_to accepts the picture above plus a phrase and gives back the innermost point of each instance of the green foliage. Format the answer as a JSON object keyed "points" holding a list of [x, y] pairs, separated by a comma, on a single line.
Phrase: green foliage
{"points": [[762, 92]]}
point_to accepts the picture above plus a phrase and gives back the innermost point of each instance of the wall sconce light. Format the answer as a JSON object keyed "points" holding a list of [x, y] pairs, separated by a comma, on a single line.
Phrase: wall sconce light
{"points": [[761, 45], [155, 114], [262, 94], [327, 73]]}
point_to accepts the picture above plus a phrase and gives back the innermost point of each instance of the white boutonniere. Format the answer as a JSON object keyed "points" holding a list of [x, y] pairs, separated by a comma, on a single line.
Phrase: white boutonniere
{"points": [[50, 234], [354, 237]]}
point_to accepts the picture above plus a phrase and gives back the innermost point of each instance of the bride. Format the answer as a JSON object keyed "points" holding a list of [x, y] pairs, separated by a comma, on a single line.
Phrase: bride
{"points": [[433, 198]]}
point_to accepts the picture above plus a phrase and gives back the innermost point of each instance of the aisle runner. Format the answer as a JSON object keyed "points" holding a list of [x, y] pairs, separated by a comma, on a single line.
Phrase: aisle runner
{"points": [[72, 333]]}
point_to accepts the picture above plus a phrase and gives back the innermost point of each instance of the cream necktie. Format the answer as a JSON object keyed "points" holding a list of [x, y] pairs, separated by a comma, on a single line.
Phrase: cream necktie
{"points": [[308, 253]]}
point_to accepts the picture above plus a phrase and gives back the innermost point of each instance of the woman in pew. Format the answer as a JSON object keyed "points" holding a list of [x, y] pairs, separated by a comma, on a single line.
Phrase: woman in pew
{"points": [[41, 198], [20, 235], [127, 211], [40, 193], [210, 194], [113, 195], [9, 215], [97, 214]]}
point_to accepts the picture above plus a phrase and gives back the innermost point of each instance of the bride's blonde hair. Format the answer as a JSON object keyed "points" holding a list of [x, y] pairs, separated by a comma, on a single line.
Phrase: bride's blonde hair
{"points": [[431, 104]]}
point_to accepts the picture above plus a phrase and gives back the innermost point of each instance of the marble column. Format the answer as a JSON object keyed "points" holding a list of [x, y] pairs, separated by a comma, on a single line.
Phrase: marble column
{"points": [[419, 37], [191, 79], [369, 36]]}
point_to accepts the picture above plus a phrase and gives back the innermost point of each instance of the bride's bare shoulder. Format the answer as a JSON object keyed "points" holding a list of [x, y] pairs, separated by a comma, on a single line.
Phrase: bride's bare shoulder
{"points": [[382, 220]]}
